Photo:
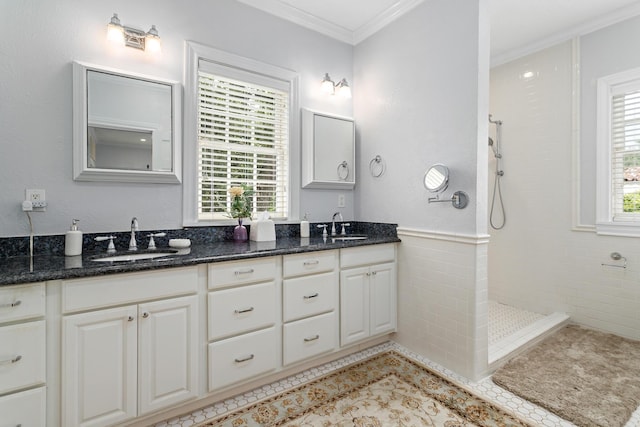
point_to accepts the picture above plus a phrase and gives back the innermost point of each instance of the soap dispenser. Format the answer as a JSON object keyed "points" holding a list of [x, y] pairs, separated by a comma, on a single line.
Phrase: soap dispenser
{"points": [[73, 240], [304, 226]]}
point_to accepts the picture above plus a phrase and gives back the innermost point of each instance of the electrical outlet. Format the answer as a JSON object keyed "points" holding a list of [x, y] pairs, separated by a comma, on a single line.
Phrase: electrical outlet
{"points": [[36, 197], [341, 201]]}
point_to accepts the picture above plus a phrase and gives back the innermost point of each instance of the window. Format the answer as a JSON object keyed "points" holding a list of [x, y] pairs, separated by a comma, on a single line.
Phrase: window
{"points": [[243, 139], [618, 192], [239, 117]]}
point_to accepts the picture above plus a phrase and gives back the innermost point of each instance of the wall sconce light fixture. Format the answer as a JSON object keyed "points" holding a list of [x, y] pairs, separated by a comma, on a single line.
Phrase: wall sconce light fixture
{"points": [[330, 88], [132, 37]]}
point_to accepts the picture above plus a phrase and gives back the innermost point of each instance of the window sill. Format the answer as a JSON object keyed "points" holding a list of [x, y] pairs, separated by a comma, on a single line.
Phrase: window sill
{"points": [[621, 229]]}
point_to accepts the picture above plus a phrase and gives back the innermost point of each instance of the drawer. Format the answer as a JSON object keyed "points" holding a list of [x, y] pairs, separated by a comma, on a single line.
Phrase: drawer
{"points": [[127, 288], [27, 408], [238, 310], [309, 295], [21, 302], [309, 263], [22, 355], [309, 337], [233, 273], [240, 358], [366, 255]]}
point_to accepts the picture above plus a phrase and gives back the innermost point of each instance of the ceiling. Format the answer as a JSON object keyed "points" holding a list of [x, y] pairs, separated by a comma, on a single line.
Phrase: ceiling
{"points": [[518, 27]]}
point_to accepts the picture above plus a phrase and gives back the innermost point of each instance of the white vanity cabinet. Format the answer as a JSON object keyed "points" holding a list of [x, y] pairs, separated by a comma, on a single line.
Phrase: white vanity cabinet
{"points": [[368, 292], [243, 320], [310, 304], [129, 345], [22, 355]]}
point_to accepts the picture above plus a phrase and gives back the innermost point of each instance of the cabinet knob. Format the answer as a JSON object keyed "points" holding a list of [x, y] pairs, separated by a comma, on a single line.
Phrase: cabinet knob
{"points": [[145, 314], [11, 361], [11, 304], [313, 338], [130, 318], [240, 272], [245, 359]]}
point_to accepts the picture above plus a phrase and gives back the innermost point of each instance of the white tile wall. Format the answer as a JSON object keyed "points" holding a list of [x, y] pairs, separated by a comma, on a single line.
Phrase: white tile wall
{"points": [[443, 299], [537, 262]]}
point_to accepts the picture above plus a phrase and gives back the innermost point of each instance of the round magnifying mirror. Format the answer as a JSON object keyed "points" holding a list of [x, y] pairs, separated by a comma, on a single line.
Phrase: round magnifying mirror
{"points": [[436, 179]]}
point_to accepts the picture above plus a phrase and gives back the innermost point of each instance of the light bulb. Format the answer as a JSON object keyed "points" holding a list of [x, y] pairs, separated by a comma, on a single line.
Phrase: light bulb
{"points": [[343, 89], [115, 32], [327, 85], [152, 41]]}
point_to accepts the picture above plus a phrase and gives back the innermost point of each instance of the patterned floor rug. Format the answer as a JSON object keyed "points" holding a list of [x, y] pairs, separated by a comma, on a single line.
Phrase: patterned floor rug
{"points": [[385, 390], [588, 377]]}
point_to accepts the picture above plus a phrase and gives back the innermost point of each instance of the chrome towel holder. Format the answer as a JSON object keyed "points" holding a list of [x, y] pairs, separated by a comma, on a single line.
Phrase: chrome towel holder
{"points": [[377, 166], [616, 257]]}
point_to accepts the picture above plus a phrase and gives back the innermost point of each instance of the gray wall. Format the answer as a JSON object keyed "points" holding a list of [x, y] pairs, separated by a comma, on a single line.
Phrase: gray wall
{"points": [[40, 39], [422, 99]]}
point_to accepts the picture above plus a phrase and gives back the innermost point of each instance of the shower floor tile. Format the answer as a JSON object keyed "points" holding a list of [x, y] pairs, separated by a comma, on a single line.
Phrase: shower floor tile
{"points": [[505, 320], [485, 388]]}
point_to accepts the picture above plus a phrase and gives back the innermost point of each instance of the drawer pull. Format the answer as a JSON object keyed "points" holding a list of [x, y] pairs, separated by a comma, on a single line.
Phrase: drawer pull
{"points": [[240, 272], [313, 338], [11, 304], [11, 361], [245, 359], [310, 296], [244, 310], [314, 262]]}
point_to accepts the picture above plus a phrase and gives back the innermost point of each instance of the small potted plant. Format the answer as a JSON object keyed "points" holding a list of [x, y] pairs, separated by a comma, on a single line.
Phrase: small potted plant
{"points": [[240, 209]]}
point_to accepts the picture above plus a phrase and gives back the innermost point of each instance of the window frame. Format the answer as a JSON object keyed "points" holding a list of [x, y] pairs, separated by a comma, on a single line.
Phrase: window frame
{"points": [[194, 52], [607, 88]]}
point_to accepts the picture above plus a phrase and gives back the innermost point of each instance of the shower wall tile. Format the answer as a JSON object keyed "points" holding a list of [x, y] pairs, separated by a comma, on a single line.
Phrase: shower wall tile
{"points": [[443, 300], [537, 262]]}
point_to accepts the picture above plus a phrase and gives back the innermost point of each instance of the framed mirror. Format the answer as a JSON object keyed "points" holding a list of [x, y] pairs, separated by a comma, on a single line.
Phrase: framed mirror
{"points": [[436, 179], [328, 151], [126, 126]]}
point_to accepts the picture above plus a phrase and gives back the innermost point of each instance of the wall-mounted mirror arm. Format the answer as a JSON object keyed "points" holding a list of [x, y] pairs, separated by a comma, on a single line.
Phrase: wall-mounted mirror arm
{"points": [[459, 200], [436, 180]]}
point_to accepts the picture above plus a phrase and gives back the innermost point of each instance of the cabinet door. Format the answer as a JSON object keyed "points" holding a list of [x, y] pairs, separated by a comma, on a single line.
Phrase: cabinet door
{"points": [[354, 305], [382, 292], [167, 352], [99, 367], [26, 409]]}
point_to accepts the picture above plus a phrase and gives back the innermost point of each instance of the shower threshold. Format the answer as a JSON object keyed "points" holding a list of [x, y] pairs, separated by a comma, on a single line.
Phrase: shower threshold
{"points": [[513, 331]]}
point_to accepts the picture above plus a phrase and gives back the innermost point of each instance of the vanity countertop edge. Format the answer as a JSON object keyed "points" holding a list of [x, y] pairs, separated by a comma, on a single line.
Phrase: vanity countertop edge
{"points": [[41, 268]]}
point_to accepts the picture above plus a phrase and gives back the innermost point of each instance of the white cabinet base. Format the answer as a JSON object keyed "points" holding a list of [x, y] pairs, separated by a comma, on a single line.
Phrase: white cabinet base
{"points": [[26, 409], [239, 358]]}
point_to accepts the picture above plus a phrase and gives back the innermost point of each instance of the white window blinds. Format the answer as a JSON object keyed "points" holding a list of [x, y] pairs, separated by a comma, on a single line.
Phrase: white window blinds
{"points": [[243, 139], [625, 155]]}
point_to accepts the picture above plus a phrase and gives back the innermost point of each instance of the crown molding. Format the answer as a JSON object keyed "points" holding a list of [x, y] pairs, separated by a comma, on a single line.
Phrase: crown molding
{"points": [[603, 21], [384, 19], [307, 20]]}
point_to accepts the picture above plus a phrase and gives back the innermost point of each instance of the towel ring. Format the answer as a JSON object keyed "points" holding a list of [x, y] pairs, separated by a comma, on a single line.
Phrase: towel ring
{"points": [[343, 167], [376, 166]]}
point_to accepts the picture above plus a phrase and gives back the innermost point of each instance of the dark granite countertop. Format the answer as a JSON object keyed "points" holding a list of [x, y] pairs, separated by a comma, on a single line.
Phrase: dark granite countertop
{"points": [[43, 267]]}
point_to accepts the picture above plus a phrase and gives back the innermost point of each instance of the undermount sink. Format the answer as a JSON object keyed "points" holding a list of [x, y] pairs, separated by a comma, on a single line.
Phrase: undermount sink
{"points": [[349, 237], [133, 256]]}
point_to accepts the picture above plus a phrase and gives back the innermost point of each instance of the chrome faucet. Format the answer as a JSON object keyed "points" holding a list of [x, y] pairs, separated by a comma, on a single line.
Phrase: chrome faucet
{"points": [[133, 246], [333, 222]]}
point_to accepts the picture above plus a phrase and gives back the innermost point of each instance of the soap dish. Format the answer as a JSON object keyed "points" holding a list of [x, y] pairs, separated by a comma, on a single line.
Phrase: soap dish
{"points": [[179, 243]]}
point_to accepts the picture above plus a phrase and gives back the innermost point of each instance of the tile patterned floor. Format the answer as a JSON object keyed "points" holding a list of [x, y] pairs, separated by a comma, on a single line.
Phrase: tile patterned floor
{"points": [[505, 320], [485, 388]]}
